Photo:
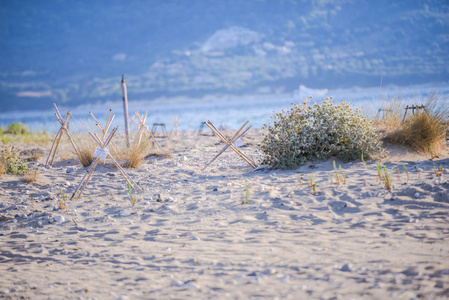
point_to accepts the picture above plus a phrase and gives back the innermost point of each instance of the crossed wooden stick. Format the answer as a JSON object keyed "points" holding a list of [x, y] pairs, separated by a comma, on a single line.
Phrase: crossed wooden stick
{"points": [[103, 153], [63, 129], [143, 129], [229, 144]]}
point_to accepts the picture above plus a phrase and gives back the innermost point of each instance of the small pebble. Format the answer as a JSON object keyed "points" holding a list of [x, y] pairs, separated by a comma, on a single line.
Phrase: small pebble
{"points": [[417, 195], [70, 170], [191, 284], [123, 213], [345, 268], [81, 228], [175, 282], [58, 219]]}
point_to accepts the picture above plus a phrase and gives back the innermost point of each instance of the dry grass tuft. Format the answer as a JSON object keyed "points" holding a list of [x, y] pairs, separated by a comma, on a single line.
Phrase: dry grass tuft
{"points": [[86, 154], [31, 177], [425, 131], [134, 157], [86, 148], [387, 116], [2, 168]]}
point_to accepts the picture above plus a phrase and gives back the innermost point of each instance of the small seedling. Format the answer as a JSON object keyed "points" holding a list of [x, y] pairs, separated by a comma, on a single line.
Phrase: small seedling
{"points": [[399, 175], [387, 178], [132, 197], [406, 172], [379, 171], [439, 171], [62, 200], [343, 177], [337, 179], [310, 181], [314, 188]]}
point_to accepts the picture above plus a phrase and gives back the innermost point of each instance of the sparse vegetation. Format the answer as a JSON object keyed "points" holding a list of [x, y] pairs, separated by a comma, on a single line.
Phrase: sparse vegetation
{"points": [[439, 171], [317, 132], [133, 198], [387, 178], [406, 172], [18, 132], [31, 176], [62, 200], [425, 131], [86, 156], [11, 163], [135, 155]]}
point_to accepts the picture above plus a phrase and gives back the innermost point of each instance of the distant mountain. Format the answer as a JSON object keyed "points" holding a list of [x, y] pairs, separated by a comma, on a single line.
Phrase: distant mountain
{"points": [[76, 51]]}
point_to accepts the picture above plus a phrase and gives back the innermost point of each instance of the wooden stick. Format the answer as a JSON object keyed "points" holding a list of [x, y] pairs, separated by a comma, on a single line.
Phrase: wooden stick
{"points": [[51, 149], [84, 180], [59, 116], [109, 124], [98, 123], [125, 109], [229, 143], [147, 131], [59, 137], [219, 153], [216, 131]]}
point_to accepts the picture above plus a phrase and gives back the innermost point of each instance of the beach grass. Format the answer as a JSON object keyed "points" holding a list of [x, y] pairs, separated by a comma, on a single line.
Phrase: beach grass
{"points": [[424, 131]]}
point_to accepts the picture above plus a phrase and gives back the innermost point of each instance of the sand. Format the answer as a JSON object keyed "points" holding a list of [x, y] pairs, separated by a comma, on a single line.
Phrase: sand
{"points": [[190, 237]]}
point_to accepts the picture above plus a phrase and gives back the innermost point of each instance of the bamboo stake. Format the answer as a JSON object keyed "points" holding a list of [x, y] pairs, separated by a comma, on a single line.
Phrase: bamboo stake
{"points": [[125, 109], [103, 144], [57, 140], [237, 150], [51, 154], [229, 143], [148, 134]]}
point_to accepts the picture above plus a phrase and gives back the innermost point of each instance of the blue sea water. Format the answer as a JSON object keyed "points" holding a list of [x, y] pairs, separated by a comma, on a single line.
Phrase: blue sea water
{"points": [[224, 110]]}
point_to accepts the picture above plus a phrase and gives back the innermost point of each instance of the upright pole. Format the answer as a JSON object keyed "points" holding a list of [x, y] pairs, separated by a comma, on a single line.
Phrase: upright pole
{"points": [[125, 109]]}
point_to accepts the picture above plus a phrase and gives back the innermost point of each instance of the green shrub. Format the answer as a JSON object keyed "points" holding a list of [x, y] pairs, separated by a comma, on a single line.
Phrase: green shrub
{"points": [[317, 132], [17, 128], [11, 164]]}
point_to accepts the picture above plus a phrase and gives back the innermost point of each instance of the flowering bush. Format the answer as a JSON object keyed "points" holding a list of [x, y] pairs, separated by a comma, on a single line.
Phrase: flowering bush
{"points": [[318, 132]]}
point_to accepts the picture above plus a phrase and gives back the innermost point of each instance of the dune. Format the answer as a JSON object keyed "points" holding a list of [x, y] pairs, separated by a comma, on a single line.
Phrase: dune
{"points": [[190, 237]]}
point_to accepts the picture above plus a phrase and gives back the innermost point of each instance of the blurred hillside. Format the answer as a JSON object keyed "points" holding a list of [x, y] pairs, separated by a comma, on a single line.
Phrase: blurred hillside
{"points": [[76, 51]]}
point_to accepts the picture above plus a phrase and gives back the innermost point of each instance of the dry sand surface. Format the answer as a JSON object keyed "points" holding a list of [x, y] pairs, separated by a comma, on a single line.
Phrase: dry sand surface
{"points": [[190, 237]]}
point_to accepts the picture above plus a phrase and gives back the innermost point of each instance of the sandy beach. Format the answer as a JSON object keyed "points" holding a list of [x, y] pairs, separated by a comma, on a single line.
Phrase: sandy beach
{"points": [[190, 237]]}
